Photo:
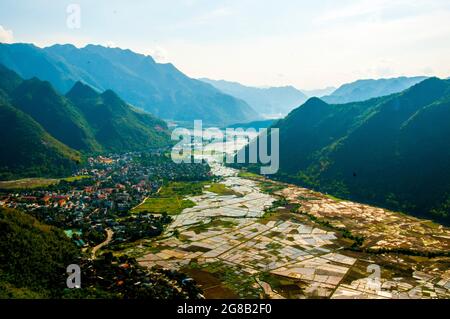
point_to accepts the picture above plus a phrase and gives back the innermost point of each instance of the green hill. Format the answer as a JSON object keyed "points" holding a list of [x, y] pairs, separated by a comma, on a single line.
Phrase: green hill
{"points": [[27, 150], [116, 125], [33, 257], [391, 151], [52, 111], [56, 114]]}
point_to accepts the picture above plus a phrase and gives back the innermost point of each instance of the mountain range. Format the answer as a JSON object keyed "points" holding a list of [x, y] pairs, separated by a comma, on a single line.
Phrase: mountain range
{"points": [[275, 102], [362, 90], [270, 102], [160, 89], [392, 151], [319, 92], [44, 133]]}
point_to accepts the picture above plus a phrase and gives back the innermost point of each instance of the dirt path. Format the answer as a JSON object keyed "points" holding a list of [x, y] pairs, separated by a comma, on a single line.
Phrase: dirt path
{"points": [[143, 201], [109, 236]]}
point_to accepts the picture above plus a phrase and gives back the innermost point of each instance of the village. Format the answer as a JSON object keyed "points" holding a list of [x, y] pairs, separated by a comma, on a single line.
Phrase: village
{"points": [[101, 196]]}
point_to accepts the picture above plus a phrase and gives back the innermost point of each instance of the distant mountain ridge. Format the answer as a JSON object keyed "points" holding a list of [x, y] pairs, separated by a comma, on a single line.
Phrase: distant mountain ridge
{"points": [[270, 102], [319, 92], [160, 89], [362, 90], [44, 133], [392, 151]]}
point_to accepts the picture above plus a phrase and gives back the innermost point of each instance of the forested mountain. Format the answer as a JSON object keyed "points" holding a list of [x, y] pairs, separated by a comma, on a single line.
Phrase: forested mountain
{"points": [[27, 150], [33, 257], [392, 151], [362, 90], [160, 89], [117, 126], [44, 132], [55, 113]]}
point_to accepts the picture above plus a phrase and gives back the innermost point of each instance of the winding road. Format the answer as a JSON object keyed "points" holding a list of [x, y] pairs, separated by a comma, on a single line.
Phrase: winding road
{"points": [[109, 236]]}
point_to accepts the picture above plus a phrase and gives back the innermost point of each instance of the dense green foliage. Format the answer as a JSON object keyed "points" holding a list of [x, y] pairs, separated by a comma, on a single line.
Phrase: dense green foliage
{"points": [[54, 112], [158, 88], [33, 256], [392, 151], [117, 127], [26, 150]]}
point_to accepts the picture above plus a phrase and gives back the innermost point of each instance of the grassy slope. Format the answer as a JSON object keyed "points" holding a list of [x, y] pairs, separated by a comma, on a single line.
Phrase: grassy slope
{"points": [[116, 125], [33, 256], [28, 151]]}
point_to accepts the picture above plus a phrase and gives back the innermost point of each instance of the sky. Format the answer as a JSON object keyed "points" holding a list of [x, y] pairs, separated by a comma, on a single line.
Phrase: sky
{"points": [[307, 44]]}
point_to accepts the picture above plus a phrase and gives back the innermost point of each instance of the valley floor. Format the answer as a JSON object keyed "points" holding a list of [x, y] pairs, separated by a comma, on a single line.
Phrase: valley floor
{"points": [[312, 246]]}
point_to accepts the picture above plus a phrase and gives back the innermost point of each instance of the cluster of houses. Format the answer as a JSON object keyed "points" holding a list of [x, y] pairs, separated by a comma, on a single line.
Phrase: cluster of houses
{"points": [[123, 276], [102, 199]]}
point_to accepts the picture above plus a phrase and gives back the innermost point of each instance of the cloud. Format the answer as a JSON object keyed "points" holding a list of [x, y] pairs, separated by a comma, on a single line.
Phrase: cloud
{"points": [[6, 36]]}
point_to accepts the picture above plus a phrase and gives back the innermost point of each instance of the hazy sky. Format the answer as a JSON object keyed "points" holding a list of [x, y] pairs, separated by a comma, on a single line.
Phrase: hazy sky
{"points": [[308, 44]]}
